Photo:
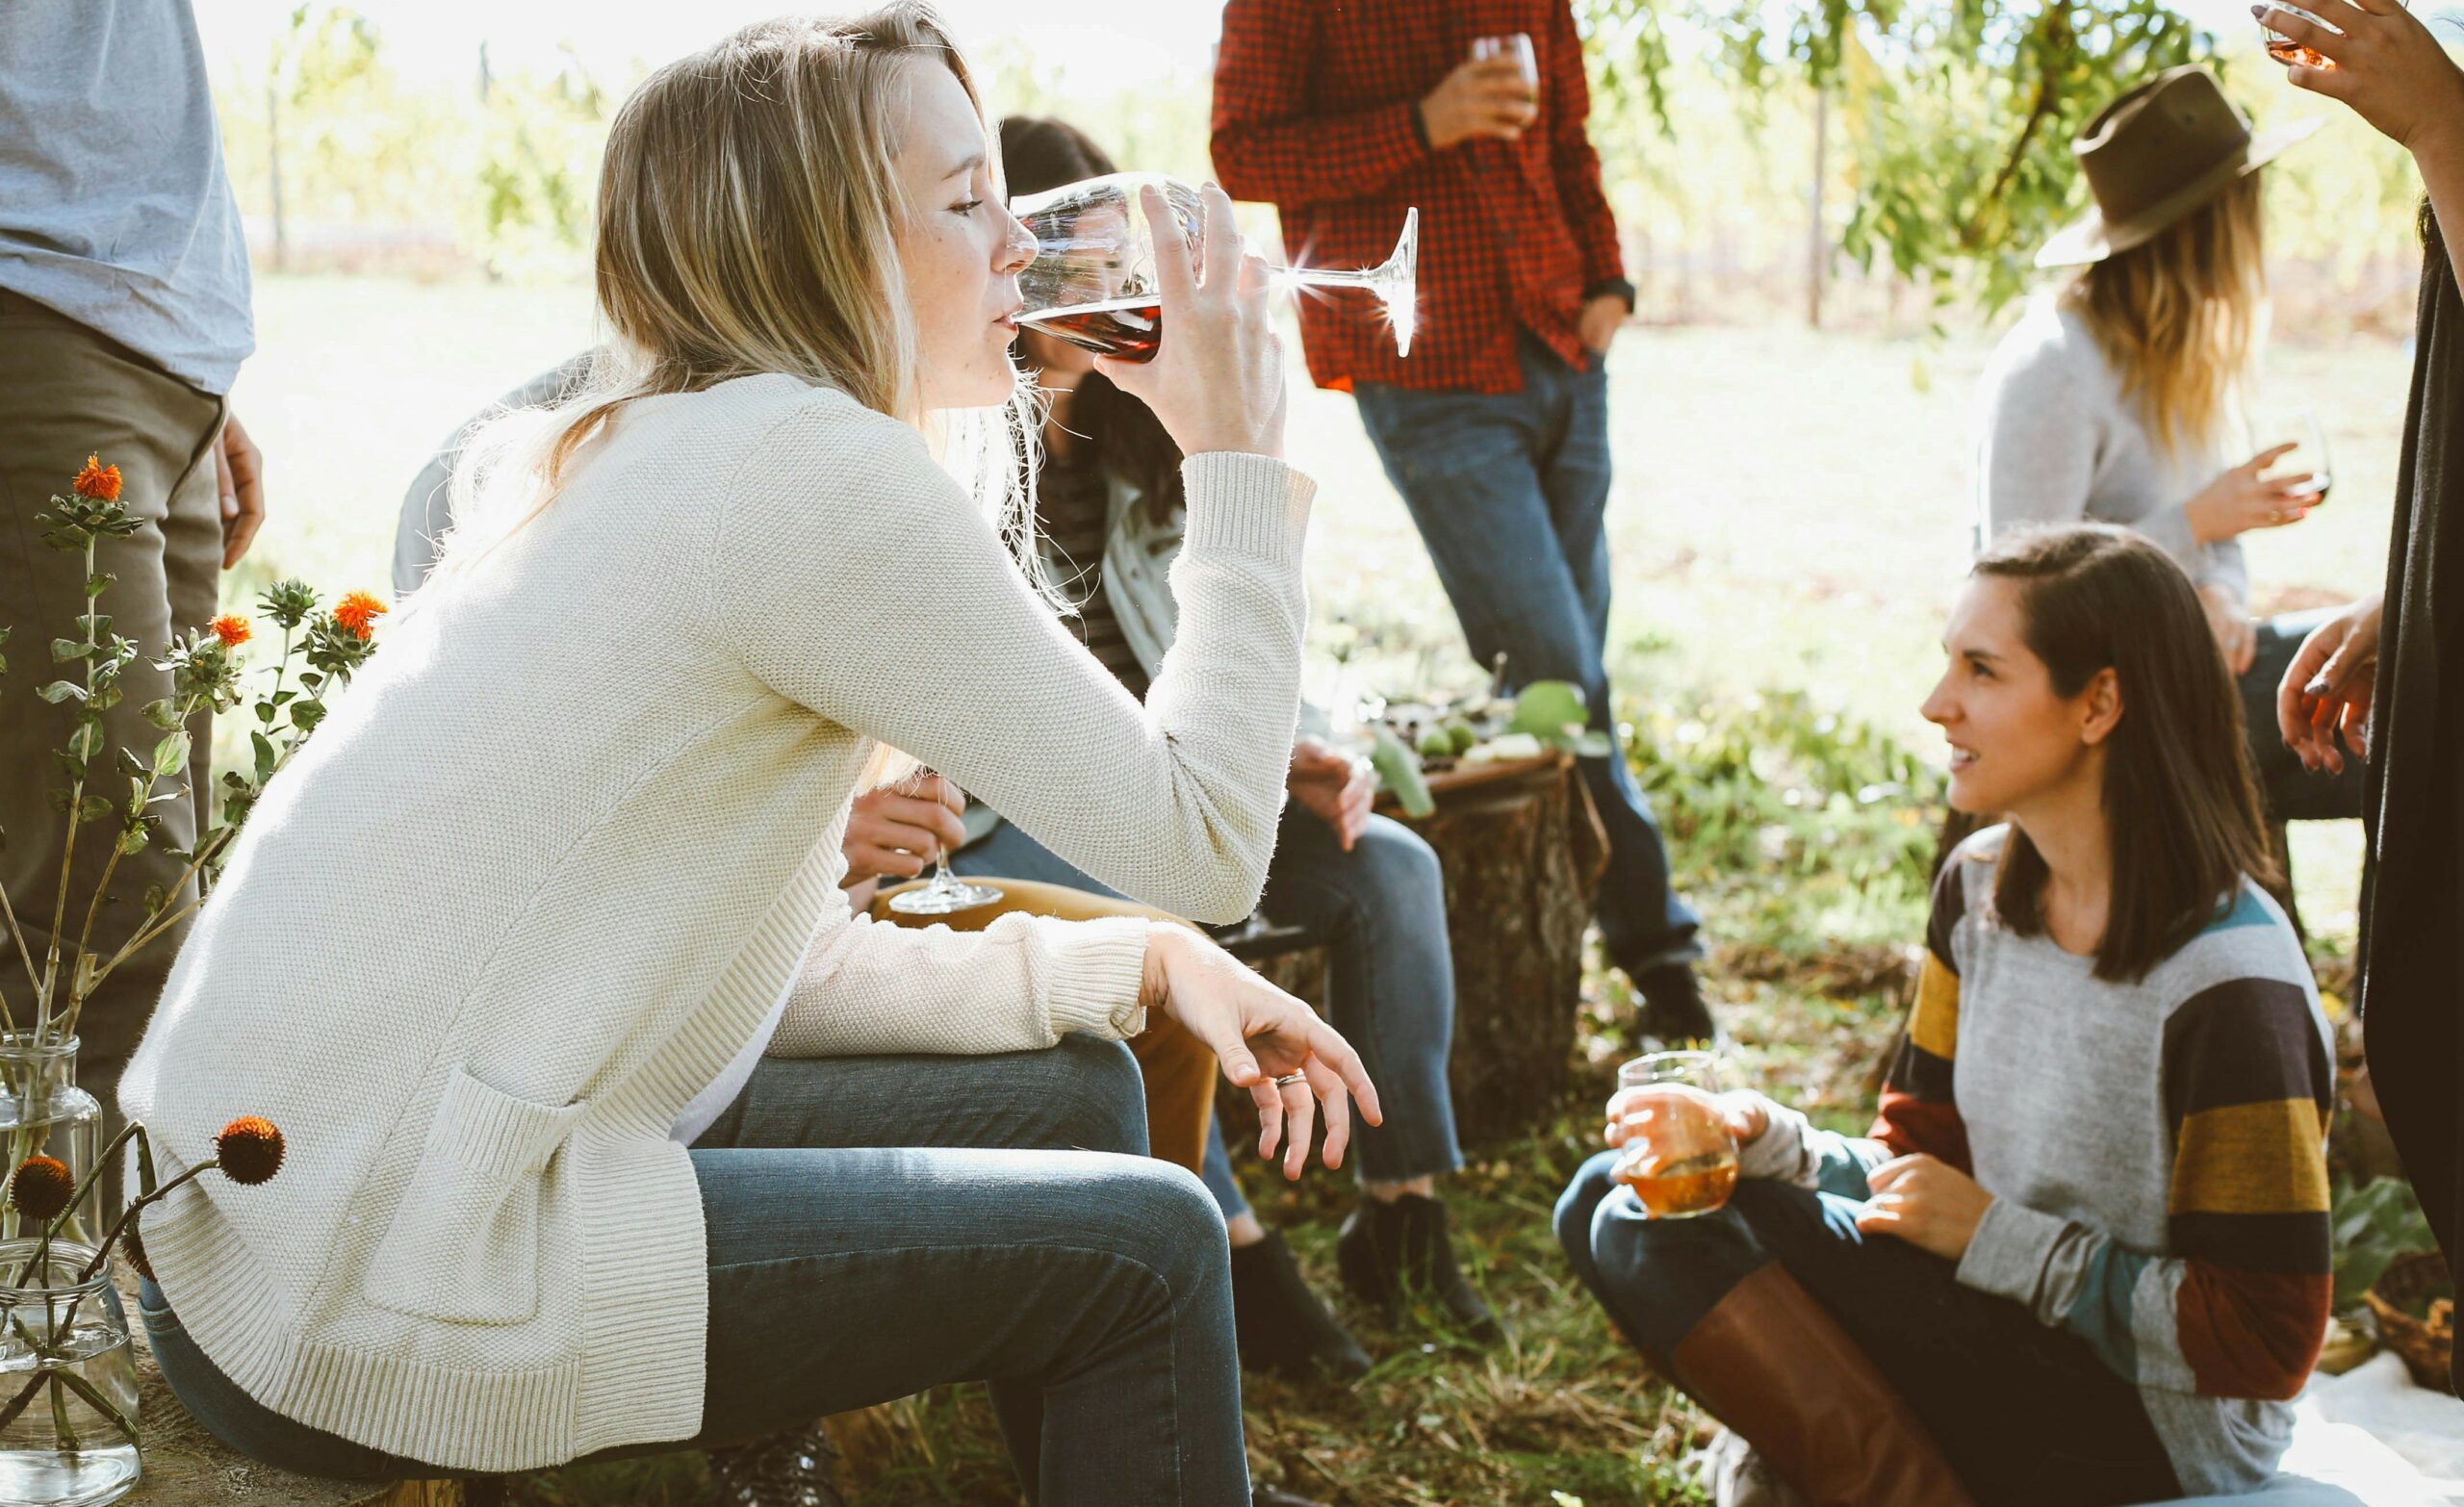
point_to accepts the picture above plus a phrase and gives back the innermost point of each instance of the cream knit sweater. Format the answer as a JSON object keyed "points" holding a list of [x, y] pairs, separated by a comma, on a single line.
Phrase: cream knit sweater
{"points": [[555, 854]]}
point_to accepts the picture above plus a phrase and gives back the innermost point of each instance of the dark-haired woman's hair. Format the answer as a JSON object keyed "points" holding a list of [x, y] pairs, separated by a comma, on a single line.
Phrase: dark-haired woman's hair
{"points": [[1038, 152], [2181, 808]]}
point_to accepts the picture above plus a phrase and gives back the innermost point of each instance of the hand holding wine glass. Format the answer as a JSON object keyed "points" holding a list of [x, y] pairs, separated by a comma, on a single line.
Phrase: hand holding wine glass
{"points": [[1218, 383], [1489, 97], [2379, 58]]}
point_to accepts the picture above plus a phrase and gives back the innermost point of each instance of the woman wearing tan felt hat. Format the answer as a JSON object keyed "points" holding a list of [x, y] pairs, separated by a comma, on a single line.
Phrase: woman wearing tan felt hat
{"points": [[2123, 397]]}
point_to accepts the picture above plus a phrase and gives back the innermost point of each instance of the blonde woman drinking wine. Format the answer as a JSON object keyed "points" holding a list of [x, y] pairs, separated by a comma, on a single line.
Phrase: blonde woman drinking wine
{"points": [[2082, 1257], [2122, 397], [610, 1128]]}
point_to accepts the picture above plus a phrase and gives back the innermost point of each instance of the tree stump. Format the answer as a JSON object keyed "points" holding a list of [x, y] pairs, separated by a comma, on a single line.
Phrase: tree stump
{"points": [[1524, 852], [187, 1467]]}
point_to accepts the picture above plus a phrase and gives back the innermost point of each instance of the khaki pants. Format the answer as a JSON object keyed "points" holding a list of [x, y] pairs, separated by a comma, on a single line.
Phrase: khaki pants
{"points": [[65, 393]]}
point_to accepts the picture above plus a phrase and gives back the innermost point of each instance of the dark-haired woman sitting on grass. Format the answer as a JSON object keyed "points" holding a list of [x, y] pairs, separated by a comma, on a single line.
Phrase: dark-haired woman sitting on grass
{"points": [[2082, 1255]]}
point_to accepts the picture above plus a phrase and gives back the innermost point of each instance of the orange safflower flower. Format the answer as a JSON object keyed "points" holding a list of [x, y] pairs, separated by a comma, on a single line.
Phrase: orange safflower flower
{"points": [[97, 482], [232, 629], [358, 612]]}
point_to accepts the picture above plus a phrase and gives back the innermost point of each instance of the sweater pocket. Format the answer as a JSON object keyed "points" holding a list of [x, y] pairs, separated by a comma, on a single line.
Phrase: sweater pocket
{"points": [[464, 1243]]}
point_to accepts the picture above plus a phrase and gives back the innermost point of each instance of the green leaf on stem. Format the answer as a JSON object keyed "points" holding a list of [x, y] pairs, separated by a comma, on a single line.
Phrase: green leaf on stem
{"points": [[265, 757], [132, 839], [171, 755], [265, 713], [63, 649], [129, 763], [96, 583], [162, 713], [86, 740], [59, 691], [307, 714], [93, 809]]}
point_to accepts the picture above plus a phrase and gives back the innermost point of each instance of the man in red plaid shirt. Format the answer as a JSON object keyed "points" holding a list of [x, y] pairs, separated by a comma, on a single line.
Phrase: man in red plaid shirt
{"points": [[1344, 113]]}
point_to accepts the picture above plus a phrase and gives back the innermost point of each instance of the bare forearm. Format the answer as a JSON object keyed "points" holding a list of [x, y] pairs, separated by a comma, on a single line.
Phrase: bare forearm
{"points": [[2440, 159]]}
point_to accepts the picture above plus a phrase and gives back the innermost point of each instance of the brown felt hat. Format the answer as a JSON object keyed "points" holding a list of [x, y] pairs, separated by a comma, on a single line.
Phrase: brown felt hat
{"points": [[2156, 154]]}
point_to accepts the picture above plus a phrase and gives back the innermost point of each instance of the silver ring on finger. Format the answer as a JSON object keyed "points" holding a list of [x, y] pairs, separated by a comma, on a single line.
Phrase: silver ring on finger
{"points": [[1288, 1079]]}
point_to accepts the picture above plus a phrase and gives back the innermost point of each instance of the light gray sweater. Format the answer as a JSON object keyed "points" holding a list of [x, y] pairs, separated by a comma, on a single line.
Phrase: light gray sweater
{"points": [[563, 846], [2056, 442]]}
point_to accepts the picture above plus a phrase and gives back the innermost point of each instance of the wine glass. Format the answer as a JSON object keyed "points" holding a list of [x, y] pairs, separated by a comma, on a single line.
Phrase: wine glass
{"points": [[1516, 45], [946, 892], [2284, 49], [1685, 1162], [1093, 284], [2298, 428]]}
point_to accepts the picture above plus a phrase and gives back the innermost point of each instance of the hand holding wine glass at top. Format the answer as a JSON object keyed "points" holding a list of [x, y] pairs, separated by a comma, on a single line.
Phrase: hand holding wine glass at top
{"points": [[1217, 384], [2381, 60], [1488, 97]]}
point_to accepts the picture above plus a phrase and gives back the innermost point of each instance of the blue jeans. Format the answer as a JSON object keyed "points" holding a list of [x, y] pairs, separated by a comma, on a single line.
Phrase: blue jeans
{"points": [[2025, 1414], [860, 1252], [1510, 493], [1381, 909]]}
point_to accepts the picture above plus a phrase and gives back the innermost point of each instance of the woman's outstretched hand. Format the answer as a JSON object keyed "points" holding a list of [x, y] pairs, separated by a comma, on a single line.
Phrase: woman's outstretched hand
{"points": [[1261, 1033], [1216, 379], [2328, 689]]}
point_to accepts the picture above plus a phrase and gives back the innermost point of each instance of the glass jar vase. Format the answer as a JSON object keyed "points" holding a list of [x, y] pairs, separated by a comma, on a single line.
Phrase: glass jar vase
{"points": [[44, 1113], [68, 1380]]}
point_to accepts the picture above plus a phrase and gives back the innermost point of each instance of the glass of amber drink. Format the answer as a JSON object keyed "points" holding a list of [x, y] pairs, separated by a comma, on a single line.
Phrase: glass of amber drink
{"points": [[1680, 1156]]}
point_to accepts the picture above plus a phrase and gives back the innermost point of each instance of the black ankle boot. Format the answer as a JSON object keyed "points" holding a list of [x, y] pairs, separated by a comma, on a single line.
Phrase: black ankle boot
{"points": [[1387, 1250], [1281, 1325], [795, 1468], [1674, 1013]]}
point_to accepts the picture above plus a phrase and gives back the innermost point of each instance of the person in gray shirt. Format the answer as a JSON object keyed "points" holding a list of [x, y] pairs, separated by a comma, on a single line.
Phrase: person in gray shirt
{"points": [[2115, 400], [123, 321]]}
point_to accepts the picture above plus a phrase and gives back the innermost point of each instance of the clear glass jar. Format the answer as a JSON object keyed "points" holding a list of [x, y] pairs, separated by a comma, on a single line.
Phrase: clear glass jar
{"points": [[44, 1113], [68, 1380]]}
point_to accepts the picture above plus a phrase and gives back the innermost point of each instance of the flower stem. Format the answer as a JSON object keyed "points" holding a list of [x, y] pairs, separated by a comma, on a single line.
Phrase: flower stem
{"points": [[103, 1252]]}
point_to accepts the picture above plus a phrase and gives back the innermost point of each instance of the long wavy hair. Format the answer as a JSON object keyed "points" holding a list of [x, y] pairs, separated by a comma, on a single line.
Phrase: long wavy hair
{"points": [[2180, 317], [2181, 806], [748, 210]]}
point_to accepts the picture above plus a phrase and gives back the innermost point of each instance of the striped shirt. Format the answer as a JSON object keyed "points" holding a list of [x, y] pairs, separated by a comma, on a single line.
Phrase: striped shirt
{"points": [[1072, 519], [2156, 1150]]}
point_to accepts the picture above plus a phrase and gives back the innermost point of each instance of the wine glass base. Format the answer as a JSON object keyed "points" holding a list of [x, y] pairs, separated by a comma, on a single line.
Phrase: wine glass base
{"points": [[938, 899]]}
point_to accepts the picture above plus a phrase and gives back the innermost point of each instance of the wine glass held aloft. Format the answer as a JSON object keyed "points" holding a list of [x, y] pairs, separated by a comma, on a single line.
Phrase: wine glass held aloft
{"points": [[1093, 281]]}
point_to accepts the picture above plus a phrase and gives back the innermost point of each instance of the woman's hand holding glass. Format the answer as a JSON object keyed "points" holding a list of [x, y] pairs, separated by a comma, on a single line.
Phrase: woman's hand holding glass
{"points": [[1633, 1113], [1216, 378], [1261, 1035], [897, 828], [2244, 499], [2385, 63]]}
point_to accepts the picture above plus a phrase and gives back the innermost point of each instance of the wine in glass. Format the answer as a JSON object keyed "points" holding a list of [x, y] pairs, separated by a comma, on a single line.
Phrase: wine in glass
{"points": [[2284, 49], [1684, 1162], [945, 893], [1093, 281]]}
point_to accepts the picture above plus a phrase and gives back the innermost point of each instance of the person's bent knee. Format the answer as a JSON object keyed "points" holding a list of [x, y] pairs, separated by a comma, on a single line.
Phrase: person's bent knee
{"points": [[1101, 1097], [1575, 1205], [1402, 867], [1161, 1218]]}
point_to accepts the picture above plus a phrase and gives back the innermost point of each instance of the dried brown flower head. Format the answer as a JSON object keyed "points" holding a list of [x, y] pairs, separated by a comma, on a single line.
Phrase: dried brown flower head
{"points": [[249, 1149], [41, 1188], [97, 480]]}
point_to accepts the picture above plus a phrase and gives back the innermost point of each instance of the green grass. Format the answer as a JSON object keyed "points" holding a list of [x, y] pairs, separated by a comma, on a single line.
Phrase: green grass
{"points": [[1790, 525]]}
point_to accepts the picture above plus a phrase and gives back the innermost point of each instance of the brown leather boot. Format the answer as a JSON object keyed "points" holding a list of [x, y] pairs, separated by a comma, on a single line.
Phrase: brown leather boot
{"points": [[1778, 1369]]}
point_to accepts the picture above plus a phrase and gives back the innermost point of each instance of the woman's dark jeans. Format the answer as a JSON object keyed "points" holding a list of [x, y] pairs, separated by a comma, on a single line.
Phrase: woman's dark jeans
{"points": [[2025, 1414], [860, 1253]]}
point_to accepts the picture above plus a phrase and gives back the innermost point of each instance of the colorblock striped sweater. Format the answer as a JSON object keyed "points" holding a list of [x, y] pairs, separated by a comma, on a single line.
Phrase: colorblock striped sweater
{"points": [[2156, 1151]]}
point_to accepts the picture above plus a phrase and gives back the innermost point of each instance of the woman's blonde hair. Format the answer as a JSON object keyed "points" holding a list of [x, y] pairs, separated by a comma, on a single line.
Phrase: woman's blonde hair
{"points": [[749, 202], [2179, 315]]}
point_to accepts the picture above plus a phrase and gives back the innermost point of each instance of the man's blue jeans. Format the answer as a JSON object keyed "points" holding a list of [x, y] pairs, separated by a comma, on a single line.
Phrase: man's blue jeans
{"points": [[1381, 910], [1510, 493], [860, 1253]]}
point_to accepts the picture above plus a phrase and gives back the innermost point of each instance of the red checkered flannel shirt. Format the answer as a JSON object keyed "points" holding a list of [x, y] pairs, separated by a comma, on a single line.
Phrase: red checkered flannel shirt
{"points": [[1313, 114]]}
